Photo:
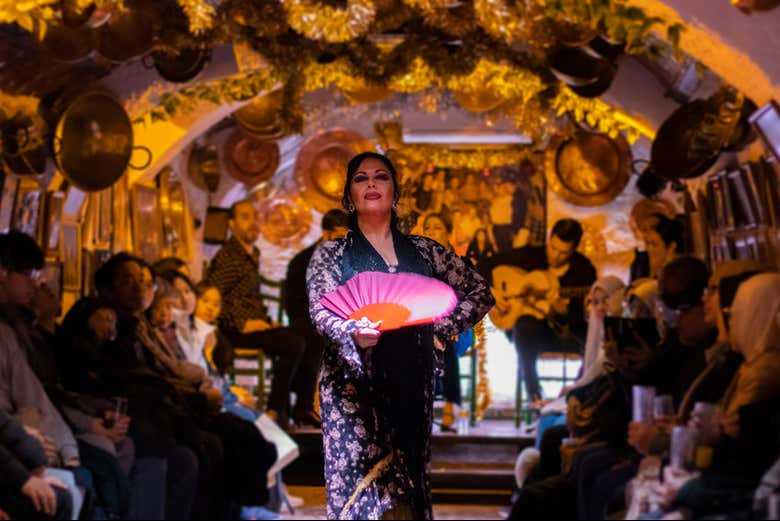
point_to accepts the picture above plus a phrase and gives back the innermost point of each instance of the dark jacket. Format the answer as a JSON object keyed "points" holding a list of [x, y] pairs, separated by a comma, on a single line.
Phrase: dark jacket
{"points": [[20, 453], [236, 274], [296, 297]]}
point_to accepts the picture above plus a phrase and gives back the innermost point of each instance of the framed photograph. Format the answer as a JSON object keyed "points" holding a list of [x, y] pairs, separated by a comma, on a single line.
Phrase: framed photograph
{"points": [[71, 256], [52, 276], [74, 207], [51, 224], [92, 260], [215, 229], [8, 186], [766, 121], [28, 208], [147, 224]]}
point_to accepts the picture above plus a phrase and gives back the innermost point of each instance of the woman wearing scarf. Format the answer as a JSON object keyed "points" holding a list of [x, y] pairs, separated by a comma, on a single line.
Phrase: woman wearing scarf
{"points": [[376, 389]]}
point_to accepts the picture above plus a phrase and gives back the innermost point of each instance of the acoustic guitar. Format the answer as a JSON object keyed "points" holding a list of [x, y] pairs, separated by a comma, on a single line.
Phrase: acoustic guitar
{"points": [[519, 292]]}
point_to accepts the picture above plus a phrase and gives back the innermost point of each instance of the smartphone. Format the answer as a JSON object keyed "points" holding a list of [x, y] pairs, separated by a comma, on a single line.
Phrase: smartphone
{"points": [[622, 330]]}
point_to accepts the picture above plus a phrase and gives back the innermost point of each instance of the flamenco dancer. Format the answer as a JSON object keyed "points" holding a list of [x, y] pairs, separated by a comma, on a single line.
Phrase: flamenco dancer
{"points": [[376, 388]]}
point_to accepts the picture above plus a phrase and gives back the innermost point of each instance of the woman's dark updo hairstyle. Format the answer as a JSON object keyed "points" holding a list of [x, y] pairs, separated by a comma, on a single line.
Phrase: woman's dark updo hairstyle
{"points": [[354, 166]]}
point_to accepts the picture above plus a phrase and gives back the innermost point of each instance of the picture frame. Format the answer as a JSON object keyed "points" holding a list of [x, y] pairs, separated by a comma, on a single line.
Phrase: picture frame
{"points": [[28, 208], [51, 224], [7, 198], [766, 121], [71, 251], [92, 260], [147, 223]]}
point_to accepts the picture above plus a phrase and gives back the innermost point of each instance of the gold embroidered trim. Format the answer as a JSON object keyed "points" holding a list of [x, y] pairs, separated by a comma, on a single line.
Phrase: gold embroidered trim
{"points": [[366, 481]]}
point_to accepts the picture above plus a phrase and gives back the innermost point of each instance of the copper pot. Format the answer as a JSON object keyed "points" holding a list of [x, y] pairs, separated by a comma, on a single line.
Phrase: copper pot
{"points": [[126, 35], [94, 138], [588, 169], [180, 67], [249, 159]]}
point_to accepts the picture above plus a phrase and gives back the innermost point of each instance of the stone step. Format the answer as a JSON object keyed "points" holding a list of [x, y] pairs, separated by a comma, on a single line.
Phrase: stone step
{"points": [[481, 460]]}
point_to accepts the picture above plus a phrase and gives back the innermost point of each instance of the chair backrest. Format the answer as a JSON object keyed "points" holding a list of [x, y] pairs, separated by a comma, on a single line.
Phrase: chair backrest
{"points": [[272, 293]]}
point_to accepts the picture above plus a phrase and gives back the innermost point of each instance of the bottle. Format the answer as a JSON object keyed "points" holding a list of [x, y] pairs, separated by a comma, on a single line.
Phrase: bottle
{"points": [[463, 420]]}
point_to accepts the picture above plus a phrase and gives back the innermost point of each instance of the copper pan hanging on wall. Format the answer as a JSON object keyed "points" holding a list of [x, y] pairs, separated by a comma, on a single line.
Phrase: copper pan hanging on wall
{"points": [[94, 142], [321, 165], [21, 151], [262, 116], [178, 67], [67, 44], [126, 35], [588, 169], [251, 160]]}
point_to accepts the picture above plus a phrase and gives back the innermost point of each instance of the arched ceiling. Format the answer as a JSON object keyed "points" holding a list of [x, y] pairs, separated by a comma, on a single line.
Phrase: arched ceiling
{"points": [[741, 49]]}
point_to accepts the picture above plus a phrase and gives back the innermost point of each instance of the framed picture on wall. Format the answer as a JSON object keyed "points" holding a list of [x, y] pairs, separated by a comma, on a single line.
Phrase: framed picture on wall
{"points": [[70, 253], [51, 224], [51, 275], [28, 208], [7, 198], [91, 261], [147, 224]]}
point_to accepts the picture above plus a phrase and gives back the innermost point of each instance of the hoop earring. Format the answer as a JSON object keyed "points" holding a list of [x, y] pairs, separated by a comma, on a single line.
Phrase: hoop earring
{"points": [[351, 208], [395, 205]]}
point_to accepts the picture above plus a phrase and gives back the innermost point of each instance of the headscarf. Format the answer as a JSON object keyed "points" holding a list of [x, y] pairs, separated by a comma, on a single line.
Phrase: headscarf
{"points": [[613, 287], [755, 317], [646, 290], [593, 362]]}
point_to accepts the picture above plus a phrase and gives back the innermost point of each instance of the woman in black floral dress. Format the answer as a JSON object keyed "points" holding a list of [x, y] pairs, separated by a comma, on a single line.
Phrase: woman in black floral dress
{"points": [[376, 389]]}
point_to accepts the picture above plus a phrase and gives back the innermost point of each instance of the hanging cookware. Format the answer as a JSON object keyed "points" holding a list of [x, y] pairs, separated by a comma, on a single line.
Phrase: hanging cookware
{"points": [[744, 133], [176, 219], [600, 47], [748, 6], [284, 220], [321, 165], [588, 169], [95, 141], [126, 35], [73, 17], [251, 160], [598, 87], [181, 66], [23, 153], [575, 67], [203, 167], [69, 45], [262, 115], [691, 139]]}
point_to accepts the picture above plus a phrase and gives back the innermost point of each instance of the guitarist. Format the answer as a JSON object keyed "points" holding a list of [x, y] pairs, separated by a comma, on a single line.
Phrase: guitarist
{"points": [[564, 327]]}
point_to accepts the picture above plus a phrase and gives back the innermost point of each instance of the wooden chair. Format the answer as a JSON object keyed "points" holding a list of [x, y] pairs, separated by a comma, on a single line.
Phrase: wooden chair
{"points": [[252, 360]]}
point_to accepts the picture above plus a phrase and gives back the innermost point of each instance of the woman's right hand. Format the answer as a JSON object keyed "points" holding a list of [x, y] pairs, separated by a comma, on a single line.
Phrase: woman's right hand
{"points": [[368, 336]]}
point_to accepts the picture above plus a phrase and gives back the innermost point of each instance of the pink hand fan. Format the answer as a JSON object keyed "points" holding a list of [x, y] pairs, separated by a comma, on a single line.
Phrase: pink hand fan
{"points": [[397, 299]]}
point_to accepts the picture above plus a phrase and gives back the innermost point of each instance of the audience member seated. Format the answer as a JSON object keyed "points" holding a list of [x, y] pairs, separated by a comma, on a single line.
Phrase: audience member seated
{"points": [[247, 455], [25, 490], [664, 241], [172, 264], [296, 303], [604, 299], [678, 361], [163, 477], [642, 298], [235, 271], [742, 436], [216, 352]]}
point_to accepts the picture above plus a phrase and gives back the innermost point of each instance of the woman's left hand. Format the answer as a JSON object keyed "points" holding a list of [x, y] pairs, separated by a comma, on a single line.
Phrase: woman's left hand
{"points": [[368, 336]]}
